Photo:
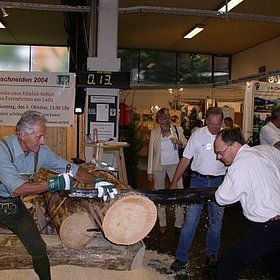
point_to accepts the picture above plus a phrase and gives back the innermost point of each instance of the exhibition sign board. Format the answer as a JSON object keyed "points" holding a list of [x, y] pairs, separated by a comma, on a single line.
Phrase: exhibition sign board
{"points": [[260, 98], [102, 114], [51, 93]]}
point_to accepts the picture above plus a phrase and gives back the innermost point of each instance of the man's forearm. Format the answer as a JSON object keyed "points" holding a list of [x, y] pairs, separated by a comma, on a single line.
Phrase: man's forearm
{"points": [[183, 164], [30, 188]]}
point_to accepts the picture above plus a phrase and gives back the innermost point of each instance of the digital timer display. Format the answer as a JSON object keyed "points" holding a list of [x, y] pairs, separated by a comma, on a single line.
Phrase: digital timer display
{"points": [[103, 79]]}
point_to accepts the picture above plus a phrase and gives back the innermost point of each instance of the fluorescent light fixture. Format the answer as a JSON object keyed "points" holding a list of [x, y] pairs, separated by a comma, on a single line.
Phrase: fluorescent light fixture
{"points": [[194, 31], [2, 25], [230, 5]]}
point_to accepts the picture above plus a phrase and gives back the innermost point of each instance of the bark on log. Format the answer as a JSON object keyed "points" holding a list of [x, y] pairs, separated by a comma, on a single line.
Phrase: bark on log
{"points": [[124, 220], [99, 253]]}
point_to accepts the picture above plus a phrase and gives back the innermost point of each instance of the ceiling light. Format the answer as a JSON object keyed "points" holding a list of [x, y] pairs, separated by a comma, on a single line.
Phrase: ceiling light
{"points": [[4, 12], [230, 5], [194, 31], [2, 25]]}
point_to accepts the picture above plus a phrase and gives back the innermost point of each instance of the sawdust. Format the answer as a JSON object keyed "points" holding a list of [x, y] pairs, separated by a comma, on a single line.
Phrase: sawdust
{"points": [[155, 267]]}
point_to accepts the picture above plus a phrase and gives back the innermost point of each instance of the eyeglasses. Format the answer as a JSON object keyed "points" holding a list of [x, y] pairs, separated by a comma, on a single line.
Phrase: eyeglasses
{"points": [[221, 153]]}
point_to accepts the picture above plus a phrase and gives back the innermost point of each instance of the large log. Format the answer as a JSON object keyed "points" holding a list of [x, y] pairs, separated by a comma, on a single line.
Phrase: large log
{"points": [[124, 220], [98, 253]]}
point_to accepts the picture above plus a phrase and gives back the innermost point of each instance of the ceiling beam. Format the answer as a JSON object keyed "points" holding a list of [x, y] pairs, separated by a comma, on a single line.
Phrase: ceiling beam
{"points": [[196, 12], [44, 7], [143, 9]]}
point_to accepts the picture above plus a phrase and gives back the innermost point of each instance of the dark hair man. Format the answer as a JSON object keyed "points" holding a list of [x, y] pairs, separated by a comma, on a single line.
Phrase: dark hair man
{"points": [[253, 179]]}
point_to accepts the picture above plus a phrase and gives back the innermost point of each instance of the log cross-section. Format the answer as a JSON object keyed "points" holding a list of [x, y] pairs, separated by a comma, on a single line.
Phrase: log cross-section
{"points": [[124, 220]]}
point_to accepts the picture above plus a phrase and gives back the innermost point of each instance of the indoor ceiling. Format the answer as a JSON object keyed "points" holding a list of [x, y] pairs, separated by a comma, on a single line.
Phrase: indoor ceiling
{"points": [[156, 24]]}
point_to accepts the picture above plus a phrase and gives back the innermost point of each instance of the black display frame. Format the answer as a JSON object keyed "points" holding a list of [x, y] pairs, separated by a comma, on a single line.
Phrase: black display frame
{"points": [[103, 79]]}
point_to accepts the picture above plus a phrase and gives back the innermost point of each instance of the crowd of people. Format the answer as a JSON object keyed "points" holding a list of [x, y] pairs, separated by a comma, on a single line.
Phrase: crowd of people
{"points": [[219, 157]]}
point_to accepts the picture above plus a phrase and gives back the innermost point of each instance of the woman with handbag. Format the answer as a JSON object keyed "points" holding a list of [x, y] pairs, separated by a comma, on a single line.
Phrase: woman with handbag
{"points": [[163, 158]]}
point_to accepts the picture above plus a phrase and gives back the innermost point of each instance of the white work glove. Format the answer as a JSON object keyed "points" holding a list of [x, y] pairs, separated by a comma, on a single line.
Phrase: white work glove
{"points": [[105, 189]]}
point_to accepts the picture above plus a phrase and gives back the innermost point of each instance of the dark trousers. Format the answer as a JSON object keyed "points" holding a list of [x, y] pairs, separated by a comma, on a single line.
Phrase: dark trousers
{"points": [[16, 217], [262, 240]]}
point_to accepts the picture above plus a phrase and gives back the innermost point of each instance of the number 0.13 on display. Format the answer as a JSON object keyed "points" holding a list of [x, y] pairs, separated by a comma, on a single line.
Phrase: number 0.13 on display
{"points": [[102, 79]]}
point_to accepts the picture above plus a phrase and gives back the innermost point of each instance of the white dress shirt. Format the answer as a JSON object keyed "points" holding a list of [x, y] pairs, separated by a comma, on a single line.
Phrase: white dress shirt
{"points": [[269, 134], [253, 179]]}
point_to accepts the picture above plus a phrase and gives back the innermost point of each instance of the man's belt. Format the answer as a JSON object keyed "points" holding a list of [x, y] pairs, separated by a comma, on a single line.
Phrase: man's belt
{"points": [[206, 176], [8, 199]]}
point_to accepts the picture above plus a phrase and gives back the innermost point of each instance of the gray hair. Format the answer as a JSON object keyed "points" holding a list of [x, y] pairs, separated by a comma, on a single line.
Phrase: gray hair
{"points": [[28, 120], [214, 111]]}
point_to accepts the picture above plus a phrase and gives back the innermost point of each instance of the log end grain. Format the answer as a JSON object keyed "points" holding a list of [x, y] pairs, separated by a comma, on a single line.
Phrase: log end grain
{"points": [[75, 230], [129, 220]]}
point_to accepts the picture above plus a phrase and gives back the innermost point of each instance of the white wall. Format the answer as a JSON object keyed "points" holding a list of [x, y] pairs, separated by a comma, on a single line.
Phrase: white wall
{"points": [[249, 61]]}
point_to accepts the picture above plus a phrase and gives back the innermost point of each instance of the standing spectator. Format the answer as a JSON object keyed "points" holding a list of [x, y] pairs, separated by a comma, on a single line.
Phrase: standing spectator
{"points": [[163, 159], [197, 124], [253, 179], [228, 121], [270, 133], [206, 172]]}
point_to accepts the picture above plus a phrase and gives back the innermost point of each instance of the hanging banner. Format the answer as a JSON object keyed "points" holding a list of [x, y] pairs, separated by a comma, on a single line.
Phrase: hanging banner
{"points": [[260, 98], [51, 93]]}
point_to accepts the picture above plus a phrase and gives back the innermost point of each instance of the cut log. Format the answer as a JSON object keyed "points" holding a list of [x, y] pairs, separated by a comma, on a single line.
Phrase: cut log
{"points": [[98, 253], [71, 219], [124, 220]]}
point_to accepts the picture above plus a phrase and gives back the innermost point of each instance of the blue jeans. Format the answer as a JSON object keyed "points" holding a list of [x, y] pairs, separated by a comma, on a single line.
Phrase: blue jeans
{"points": [[192, 218]]}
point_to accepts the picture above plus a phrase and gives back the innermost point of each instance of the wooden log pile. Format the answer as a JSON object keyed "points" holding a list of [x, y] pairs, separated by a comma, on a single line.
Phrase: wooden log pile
{"points": [[97, 253], [124, 220], [85, 232]]}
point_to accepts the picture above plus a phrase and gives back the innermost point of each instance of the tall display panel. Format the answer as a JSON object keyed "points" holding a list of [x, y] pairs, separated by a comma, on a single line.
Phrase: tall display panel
{"points": [[260, 98]]}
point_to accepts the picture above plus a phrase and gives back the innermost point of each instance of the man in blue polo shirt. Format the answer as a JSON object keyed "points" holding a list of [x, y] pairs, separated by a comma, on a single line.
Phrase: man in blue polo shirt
{"points": [[22, 154]]}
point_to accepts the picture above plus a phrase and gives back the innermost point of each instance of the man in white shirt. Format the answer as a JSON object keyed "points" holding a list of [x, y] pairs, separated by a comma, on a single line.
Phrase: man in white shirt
{"points": [[270, 133], [253, 179], [207, 172]]}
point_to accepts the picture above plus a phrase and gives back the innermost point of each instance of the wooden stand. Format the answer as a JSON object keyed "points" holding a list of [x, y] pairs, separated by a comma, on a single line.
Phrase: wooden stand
{"points": [[115, 149]]}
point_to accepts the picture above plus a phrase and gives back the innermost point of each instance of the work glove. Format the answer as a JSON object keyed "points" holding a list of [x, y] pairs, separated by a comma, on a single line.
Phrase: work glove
{"points": [[60, 182], [105, 189]]}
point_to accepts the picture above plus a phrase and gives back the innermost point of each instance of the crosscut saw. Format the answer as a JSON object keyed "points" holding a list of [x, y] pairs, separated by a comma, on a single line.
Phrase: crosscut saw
{"points": [[168, 196]]}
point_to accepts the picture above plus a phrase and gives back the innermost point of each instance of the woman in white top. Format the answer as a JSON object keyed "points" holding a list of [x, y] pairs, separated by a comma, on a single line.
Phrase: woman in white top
{"points": [[163, 159]]}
